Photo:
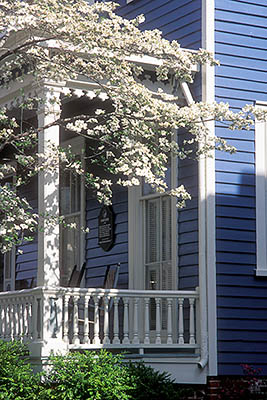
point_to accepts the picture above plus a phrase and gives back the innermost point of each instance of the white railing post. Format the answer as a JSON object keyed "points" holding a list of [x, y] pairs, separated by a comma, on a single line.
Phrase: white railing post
{"points": [[192, 322], [126, 321], [34, 318], [116, 339], [158, 321], [181, 320], [169, 321], [96, 320], [147, 331]]}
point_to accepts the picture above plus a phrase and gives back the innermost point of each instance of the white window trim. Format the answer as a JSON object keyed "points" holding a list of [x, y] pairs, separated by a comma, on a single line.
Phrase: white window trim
{"points": [[261, 195], [77, 147]]}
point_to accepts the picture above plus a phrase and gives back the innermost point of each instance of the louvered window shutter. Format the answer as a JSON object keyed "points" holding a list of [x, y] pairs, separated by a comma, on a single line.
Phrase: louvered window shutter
{"points": [[153, 231]]}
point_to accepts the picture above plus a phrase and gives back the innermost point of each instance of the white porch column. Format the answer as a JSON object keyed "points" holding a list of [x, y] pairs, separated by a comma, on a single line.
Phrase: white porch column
{"points": [[48, 193]]}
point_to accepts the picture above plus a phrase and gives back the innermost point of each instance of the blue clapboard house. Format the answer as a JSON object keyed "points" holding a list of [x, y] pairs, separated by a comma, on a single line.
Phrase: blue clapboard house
{"points": [[185, 291]]}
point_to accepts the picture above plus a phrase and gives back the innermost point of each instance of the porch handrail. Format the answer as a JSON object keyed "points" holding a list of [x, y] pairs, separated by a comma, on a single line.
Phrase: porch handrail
{"points": [[82, 317]]}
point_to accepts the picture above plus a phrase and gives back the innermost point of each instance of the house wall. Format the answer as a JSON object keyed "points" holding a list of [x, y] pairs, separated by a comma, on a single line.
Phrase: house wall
{"points": [[96, 258], [179, 21], [240, 44]]}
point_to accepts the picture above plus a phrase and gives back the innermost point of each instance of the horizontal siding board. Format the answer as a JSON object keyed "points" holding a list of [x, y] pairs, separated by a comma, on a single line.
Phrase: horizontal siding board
{"points": [[241, 301], [233, 178], [229, 200], [242, 190], [237, 212], [236, 235], [231, 225], [234, 16], [235, 246], [241, 40], [232, 166], [239, 61], [243, 7], [239, 156], [236, 258], [236, 137], [240, 84], [253, 31], [242, 73]]}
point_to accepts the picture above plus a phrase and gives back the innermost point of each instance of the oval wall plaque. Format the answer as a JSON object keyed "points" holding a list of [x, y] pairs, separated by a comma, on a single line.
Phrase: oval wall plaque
{"points": [[106, 228]]}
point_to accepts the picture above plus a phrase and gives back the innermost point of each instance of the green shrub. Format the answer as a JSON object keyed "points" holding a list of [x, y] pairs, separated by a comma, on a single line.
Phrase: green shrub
{"points": [[17, 381], [153, 385], [87, 376]]}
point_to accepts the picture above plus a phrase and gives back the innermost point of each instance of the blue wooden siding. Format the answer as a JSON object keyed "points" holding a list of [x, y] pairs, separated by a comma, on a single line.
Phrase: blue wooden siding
{"points": [[98, 259], [241, 33], [181, 21], [178, 20], [26, 262]]}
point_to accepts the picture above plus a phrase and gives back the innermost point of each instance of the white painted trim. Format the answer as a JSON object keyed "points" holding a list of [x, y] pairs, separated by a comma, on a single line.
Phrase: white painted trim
{"points": [[207, 227], [48, 273], [261, 195], [135, 243]]}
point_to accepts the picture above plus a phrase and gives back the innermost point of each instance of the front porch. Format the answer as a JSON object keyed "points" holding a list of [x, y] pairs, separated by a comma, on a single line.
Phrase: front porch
{"points": [[160, 327]]}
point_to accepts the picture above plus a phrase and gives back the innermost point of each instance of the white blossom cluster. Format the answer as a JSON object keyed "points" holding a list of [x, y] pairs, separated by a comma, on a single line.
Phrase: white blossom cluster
{"points": [[133, 135]]}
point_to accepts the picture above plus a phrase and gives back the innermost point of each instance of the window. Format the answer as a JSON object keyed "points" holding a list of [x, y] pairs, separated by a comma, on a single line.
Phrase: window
{"points": [[71, 206], [159, 243], [261, 193]]}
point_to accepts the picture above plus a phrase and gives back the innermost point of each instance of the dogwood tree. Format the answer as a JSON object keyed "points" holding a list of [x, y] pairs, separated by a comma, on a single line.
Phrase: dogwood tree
{"points": [[132, 138]]}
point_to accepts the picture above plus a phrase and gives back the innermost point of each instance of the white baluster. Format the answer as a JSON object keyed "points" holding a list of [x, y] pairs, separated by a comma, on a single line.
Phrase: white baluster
{"points": [[116, 339], [1, 321], [96, 320], [23, 314], [8, 320], [169, 321], [192, 322], [28, 318], [147, 331], [158, 321], [86, 319], [135, 327], [31, 316], [106, 339], [19, 322], [7, 327], [75, 320], [126, 321], [66, 319], [181, 321], [11, 321]]}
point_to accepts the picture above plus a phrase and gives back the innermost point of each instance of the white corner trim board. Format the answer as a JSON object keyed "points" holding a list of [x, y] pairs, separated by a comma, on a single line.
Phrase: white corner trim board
{"points": [[261, 193], [207, 253]]}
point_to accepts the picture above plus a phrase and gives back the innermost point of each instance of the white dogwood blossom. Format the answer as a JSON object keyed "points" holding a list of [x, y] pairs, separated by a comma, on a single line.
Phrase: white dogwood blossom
{"points": [[132, 134]]}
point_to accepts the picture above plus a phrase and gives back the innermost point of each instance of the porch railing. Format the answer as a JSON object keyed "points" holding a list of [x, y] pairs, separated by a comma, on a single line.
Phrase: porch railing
{"points": [[94, 318]]}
